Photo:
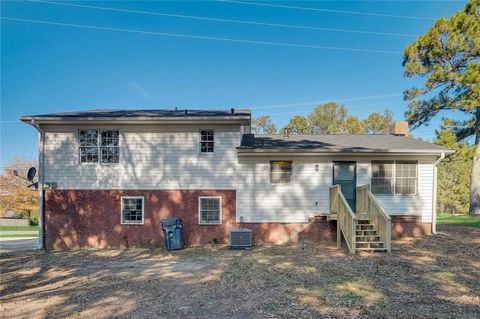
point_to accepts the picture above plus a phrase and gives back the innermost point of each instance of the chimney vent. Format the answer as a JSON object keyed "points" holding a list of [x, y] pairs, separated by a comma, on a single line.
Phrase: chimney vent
{"points": [[232, 110], [399, 129], [186, 111], [286, 132]]}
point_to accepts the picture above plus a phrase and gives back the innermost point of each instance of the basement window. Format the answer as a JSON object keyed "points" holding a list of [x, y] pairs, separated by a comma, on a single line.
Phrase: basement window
{"points": [[132, 210], [207, 141], [280, 172], [210, 210], [99, 146], [394, 177]]}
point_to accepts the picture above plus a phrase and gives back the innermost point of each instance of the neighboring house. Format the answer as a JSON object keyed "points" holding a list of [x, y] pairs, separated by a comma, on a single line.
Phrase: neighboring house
{"points": [[111, 175]]}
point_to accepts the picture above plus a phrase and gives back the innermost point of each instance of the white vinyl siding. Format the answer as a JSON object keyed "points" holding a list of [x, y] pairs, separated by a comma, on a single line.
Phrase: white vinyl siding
{"points": [[167, 157]]}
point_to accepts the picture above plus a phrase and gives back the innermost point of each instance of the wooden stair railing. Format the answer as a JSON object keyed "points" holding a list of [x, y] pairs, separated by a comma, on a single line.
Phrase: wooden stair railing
{"points": [[367, 203], [346, 219]]}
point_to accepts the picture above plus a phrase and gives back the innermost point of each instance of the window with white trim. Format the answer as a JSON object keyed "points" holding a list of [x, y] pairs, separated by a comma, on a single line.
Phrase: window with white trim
{"points": [[280, 172], [99, 146], [382, 177], [109, 147], [207, 141], [394, 177], [210, 210], [132, 210], [405, 177]]}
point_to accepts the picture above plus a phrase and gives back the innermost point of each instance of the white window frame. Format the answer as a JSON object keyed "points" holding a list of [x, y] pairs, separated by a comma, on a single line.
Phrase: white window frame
{"points": [[122, 222], [200, 210], [99, 146], [290, 183], [200, 140], [394, 177]]}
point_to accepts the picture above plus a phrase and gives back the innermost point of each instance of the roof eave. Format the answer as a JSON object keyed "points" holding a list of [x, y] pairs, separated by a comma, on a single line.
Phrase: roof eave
{"points": [[243, 151], [135, 120]]}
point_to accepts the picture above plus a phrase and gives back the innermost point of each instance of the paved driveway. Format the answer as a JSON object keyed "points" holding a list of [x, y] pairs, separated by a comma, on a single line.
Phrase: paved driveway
{"points": [[17, 244]]}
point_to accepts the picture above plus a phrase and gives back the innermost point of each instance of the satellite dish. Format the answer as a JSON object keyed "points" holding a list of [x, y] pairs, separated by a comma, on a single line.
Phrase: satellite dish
{"points": [[32, 171]]}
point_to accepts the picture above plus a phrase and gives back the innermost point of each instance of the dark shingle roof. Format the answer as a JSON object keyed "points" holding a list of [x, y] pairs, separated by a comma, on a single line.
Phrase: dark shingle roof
{"points": [[140, 114], [337, 144]]}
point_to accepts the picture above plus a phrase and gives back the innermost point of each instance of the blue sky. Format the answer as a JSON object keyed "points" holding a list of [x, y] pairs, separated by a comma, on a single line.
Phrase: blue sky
{"points": [[51, 67]]}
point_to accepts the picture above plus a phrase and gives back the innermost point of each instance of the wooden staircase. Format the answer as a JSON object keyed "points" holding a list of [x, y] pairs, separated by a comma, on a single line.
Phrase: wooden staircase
{"points": [[368, 229], [367, 238]]}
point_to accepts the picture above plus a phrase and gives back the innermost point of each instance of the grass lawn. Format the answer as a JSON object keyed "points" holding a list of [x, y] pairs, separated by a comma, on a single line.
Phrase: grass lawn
{"points": [[3, 235], [435, 276], [18, 228], [459, 220]]}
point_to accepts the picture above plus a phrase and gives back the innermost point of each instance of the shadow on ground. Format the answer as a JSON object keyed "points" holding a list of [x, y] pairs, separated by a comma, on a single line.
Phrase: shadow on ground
{"points": [[434, 277]]}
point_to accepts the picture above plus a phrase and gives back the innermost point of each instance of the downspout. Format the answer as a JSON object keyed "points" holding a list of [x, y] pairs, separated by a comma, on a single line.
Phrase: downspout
{"points": [[434, 205], [41, 188]]}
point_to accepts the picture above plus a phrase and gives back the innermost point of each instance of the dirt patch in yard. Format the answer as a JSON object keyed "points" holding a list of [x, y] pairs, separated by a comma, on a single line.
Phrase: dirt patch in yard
{"points": [[433, 277]]}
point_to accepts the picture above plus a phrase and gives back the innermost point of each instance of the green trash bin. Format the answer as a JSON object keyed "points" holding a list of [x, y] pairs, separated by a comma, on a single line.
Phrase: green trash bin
{"points": [[173, 233]]}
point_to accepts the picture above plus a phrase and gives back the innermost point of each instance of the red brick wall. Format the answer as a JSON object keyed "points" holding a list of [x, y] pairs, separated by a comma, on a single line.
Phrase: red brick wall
{"points": [[409, 226], [77, 219], [91, 218], [318, 229]]}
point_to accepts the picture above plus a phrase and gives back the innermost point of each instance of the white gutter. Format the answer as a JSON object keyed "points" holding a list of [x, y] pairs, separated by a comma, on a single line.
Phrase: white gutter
{"points": [[41, 182], [434, 204]]}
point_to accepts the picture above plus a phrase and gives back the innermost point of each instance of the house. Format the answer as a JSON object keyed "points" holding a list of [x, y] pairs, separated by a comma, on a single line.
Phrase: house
{"points": [[107, 178]]}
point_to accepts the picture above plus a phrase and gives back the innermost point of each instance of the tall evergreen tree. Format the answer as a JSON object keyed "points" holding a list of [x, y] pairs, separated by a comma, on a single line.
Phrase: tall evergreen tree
{"points": [[448, 57], [454, 172]]}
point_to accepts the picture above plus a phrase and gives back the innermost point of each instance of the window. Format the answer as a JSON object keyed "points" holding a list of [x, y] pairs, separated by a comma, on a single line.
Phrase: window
{"points": [[207, 140], [91, 151], [382, 177], [405, 178], [109, 147], [132, 210], [280, 172], [88, 143], [394, 177], [210, 210]]}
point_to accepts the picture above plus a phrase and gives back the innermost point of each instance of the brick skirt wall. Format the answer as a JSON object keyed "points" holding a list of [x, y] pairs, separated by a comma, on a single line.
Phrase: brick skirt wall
{"points": [[77, 219], [409, 226]]}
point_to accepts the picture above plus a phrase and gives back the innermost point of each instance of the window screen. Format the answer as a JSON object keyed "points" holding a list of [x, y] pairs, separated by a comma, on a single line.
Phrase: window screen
{"points": [[132, 210], [207, 140], [88, 143], [210, 210], [280, 172], [405, 178], [109, 147], [382, 177]]}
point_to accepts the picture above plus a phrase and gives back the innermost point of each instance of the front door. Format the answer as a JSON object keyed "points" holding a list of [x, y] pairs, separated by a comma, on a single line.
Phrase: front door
{"points": [[344, 173]]}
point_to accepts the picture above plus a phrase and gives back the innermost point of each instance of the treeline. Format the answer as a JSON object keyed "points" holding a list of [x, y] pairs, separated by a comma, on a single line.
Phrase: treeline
{"points": [[328, 118]]}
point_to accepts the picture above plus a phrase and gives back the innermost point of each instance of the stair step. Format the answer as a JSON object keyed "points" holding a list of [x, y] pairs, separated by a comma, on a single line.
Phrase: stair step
{"points": [[379, 250], [370, 245], [366, 232], [365, 227], [365, 222], [370, 238]]}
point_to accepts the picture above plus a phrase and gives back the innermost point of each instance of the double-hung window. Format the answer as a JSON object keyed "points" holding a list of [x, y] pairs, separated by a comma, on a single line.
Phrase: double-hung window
{"points": [[405, 178], [394, 177], [132, 210], [280, 172], [99, 146], [207, 141], [210, 210]]}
